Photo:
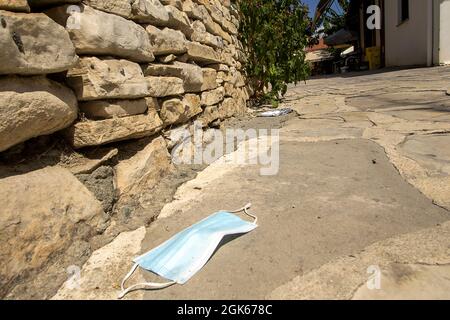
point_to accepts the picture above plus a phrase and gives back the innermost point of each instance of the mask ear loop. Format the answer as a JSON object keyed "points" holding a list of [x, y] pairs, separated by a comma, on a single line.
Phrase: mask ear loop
{"points": [[245, 209], [148, 285]]}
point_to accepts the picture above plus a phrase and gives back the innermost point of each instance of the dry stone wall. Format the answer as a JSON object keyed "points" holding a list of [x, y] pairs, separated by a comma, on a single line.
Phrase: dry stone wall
{"points": [[114, 79], [130, 68]]}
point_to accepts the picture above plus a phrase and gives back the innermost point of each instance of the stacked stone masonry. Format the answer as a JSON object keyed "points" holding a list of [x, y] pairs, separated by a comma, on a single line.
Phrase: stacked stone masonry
{"points": [[96, 73], [126, 69]]}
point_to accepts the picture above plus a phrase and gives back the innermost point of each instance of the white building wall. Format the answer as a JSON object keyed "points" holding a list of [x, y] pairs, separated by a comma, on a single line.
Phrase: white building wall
{"points": [[444, 32], [408, 43]]}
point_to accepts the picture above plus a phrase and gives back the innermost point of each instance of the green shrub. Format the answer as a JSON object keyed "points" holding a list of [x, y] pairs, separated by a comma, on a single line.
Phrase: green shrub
{"points": [[274, 36]]}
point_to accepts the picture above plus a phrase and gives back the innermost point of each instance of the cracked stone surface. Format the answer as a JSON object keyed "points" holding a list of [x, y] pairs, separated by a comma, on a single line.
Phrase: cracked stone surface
{"points": [[410, 117], [363, 181], [409, 281], [409, 113], [328, 200], [430, 151], [418, 262]]}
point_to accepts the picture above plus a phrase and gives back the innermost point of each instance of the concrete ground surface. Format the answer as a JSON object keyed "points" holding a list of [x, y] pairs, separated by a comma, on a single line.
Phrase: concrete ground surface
{"points": [[363, 185]]}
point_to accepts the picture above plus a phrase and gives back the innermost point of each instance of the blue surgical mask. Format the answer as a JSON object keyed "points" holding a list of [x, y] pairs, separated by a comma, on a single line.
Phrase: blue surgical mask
{"points": [[182, 256]]}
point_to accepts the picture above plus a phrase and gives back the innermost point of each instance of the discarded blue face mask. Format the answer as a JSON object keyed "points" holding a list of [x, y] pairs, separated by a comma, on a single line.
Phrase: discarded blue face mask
{"points": [[182, 256]]}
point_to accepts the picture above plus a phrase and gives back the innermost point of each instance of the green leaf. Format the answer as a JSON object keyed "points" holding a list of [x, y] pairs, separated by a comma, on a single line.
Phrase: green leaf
{"points": [[274, 35]]}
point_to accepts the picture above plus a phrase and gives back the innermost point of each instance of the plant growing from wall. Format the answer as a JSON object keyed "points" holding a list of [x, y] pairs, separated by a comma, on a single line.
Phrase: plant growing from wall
{"points": [[274, 36]]}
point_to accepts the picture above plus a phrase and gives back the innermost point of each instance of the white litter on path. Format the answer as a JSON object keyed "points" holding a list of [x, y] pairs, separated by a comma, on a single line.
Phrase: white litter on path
{"points": [[276, 113]]}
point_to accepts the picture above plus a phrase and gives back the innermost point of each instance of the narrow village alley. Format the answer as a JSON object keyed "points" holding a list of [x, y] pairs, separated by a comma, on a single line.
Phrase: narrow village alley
{"points": [[363, 182]]}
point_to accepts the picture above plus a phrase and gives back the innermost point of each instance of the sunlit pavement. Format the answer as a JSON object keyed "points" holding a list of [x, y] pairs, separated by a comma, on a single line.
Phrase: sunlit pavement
{"points": [[358, 209]]}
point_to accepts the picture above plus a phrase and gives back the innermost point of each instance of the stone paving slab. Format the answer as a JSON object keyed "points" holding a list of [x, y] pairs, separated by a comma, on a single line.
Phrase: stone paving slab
{"points": [[329, 199], [430, 151], [413, 266]]}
